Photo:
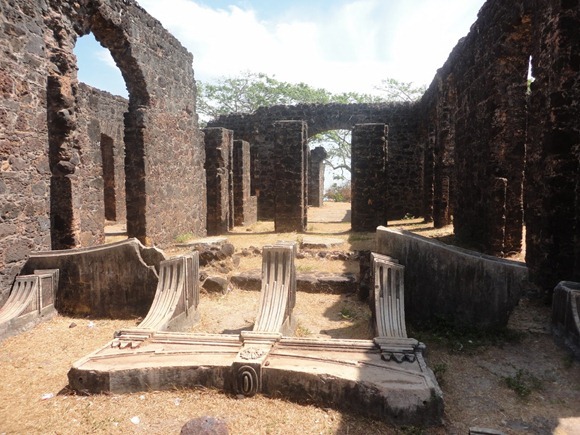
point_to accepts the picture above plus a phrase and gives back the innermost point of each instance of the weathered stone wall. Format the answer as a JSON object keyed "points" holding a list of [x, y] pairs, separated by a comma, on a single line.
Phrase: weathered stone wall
{"points": [[553, 148], [484, 129], [405, 145], [51, 174], [245, 204], [476, 111], [291, 175], [103, 114], [369, 175], [219, 149], [161, 135], [24, 169]]}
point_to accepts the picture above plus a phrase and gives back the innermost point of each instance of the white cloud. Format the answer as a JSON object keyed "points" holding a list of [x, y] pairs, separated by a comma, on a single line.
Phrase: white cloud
{"points": [[104, 56], [351, 47]]}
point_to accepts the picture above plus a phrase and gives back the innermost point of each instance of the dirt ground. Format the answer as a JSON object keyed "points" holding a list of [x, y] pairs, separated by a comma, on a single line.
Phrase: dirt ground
{"points": [[519, 382]]}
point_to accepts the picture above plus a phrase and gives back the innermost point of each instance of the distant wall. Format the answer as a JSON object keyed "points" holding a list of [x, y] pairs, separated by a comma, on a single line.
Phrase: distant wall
{"points": [[405, 146], [103, 114]]}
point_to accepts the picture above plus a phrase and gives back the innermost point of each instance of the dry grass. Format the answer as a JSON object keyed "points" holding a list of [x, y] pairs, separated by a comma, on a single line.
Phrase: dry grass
{"points": [[36, 362]]}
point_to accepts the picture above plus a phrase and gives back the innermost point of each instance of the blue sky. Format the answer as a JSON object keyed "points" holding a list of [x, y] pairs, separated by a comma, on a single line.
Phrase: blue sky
{"points": [[341, 45]]}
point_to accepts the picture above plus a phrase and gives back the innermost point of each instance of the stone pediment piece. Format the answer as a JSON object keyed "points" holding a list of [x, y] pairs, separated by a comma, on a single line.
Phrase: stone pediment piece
{"points": [[30, 301], [388, 296], [177, 296], [278, 293]]}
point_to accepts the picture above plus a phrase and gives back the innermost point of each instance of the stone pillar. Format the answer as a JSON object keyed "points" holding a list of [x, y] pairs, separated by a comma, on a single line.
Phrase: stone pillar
{"points": [[444, 152], [290, 169], [369, 175], [218, 155], [498, 201], [245, 205], [316, 177]]}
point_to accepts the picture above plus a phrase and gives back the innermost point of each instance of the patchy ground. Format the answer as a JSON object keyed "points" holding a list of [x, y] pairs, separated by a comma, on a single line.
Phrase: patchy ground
{"points": [[519, 382]]}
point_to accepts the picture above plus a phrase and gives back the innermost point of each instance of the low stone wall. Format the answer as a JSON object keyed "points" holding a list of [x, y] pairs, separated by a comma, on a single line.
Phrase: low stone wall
{"points": [[444, 283], [118, 280], [566, 315]]}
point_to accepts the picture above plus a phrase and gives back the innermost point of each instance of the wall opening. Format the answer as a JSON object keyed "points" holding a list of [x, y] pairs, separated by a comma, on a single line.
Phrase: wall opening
{"points": [[110, 49], [336, 176]]}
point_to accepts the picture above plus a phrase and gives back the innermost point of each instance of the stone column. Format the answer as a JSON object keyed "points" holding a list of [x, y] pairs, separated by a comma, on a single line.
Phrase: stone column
{"points": [[290, 168], [369, 175], [316, 177], [218, 155], [245, 207]]}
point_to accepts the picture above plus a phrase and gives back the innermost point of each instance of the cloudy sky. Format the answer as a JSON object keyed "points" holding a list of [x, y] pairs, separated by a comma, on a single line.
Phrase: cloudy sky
{"points": [[340, 45]]}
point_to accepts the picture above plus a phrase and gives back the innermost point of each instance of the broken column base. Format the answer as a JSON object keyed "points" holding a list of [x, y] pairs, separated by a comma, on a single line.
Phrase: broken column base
{"points": [[350, 375]]}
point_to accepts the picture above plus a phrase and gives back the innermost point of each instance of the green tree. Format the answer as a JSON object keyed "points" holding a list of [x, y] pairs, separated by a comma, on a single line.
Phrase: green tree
{"points": [[395, 90], [249, 91]]}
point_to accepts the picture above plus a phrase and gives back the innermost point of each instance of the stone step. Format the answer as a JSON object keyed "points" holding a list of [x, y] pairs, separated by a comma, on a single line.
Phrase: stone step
{"points": [[309, 282]]}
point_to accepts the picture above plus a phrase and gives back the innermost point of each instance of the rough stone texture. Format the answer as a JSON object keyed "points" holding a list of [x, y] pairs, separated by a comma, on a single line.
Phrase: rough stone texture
{"points": [[405, 146], [553, 148], [245, 203], [216, 284], [369, 175], [316, 177], [218, 166], [103, 113], [483, 131], [205, 426], [24, 168], [291, 174], [477, 111], [111, 281], [464, 288], [51, 174]]}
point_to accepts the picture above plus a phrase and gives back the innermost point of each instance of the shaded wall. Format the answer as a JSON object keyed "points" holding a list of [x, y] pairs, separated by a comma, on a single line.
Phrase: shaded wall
{"points": [[316, 177], [369, 174], [475, 112], [553, 151], [245, 204], [484, 129], [219, 149]]}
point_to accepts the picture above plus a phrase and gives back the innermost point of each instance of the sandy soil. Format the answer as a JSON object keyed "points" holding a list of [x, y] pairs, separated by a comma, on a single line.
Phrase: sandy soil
{"points": [[519, 383]]}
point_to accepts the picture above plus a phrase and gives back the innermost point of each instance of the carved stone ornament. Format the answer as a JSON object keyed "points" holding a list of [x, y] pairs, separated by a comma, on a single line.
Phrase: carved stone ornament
{"points": [[251, 353], [247, 381]]}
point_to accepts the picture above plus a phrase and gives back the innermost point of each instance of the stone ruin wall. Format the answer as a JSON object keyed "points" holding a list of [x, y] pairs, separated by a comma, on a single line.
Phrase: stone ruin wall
{"points": [[405, 146], [51, 184], [552, 193], [483, 132], [24, 168], [476, 109]]}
